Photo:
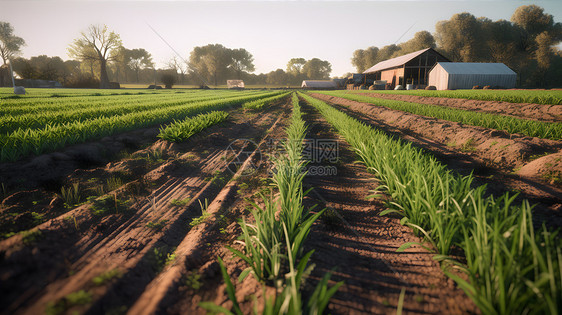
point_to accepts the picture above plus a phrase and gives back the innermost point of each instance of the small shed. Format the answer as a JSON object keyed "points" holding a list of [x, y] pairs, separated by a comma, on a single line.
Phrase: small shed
{"points": [[319, 85], [235, 84], [465, 75]]}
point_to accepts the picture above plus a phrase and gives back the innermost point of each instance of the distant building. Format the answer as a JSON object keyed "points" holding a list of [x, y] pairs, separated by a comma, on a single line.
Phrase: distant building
{"points": [[31, 83], [319, 85], [235, 84], [465, 75], [412, 68]]}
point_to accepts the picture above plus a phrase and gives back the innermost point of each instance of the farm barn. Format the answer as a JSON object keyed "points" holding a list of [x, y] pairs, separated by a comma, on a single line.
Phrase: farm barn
{"points": [[412, 68], [465, 75], [319, 85], [235, 84]]}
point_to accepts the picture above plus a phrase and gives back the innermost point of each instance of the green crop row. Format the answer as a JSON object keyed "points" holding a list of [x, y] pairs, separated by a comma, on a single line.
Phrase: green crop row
{"points": [[511, 268], [22, 143], [529, 128], [26, 106], [511, 96], [66, 114], [8, 93], [179, 131], [259, 104], [273, 244]]}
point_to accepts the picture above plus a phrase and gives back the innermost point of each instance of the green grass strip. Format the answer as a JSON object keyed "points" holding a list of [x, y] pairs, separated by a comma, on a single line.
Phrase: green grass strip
{"points": [[179, 131], [511, 96], [64, 113], [22, 143], [526, 127], [510, 268], [259, 104]]}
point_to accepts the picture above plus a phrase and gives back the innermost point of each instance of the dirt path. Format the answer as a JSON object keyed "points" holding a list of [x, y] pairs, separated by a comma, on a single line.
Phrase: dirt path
{"points": [[549, 113], [434, 136], [361, 245], [135, 243], [175, 293]]}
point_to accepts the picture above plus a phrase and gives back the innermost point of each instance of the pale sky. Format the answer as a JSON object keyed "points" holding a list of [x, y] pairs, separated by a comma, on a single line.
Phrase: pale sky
{"points": [[272, 31]]}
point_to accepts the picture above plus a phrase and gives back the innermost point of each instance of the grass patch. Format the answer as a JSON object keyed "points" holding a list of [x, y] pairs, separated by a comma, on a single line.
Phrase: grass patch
{"points": [[70, 195], [107, 276], [156, 225], [73, 299], [180, 202], [31, 237], [204, 214], [109, 204]]}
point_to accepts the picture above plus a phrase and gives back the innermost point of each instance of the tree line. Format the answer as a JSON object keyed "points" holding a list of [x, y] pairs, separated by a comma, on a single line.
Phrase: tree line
{"points": [[526, 44], [99, 57]]}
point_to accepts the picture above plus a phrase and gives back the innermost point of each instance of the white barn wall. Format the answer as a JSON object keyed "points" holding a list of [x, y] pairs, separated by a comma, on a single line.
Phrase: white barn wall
{"points": [[467, 81], [457, 75], [438, 77]]}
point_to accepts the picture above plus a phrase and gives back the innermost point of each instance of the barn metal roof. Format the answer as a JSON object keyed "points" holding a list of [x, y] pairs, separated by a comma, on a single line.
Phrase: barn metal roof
{"points": [[475, 68], [319, 84], [395, 62]]}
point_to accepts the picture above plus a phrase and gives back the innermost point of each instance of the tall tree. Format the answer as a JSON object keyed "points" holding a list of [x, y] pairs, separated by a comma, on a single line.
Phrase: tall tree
{"points": [[96, 44], [241, 61], [294, 66], [421, 40], [179, 67], [459, 37], [138, 59], [214, 62], [10, 44], [210, 61], [317, 69], [278, 77], [120, 61]]}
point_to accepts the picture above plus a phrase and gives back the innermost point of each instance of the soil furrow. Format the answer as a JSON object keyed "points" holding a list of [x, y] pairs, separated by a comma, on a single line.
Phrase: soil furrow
{"points": [[360, 245], [127, 244], [548, 113], [476, 160]]}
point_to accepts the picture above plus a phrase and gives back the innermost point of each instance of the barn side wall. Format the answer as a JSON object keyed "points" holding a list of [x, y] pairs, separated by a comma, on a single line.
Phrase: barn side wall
{"points": [[467, 81], [389, 75]]}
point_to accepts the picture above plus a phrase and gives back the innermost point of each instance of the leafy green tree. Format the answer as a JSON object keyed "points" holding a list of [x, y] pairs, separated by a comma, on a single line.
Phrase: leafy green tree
{"points": [[317, 69], [210, 61], [278, 77], [168, 79], [96, 44], [138, 59], [10, 44], [215, 62], [120, 62], [241, 61], [294, 66], [459, 37], [421, 40]]}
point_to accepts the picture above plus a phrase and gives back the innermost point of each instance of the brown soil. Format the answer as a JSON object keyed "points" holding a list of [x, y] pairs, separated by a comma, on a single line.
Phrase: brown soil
{"points": [[490, 155], [494, 148], [360, 246], [549, 113], [68, 251]]}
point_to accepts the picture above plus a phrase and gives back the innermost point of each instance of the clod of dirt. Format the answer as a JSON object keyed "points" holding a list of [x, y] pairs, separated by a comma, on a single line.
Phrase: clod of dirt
{"points": [[548, 168], [164, 146], [129, 166]]}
